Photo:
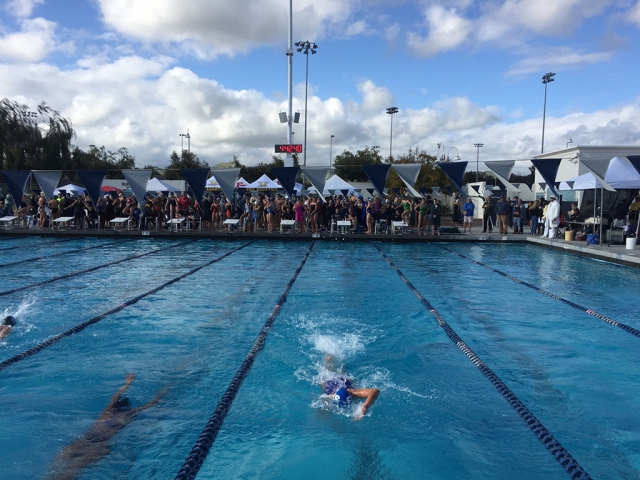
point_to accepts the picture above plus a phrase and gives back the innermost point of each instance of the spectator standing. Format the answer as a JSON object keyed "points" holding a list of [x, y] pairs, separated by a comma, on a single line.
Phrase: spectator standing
{"points": [[501, 210], [552, 218], [487, 214], [468, 209], [518, 212]]}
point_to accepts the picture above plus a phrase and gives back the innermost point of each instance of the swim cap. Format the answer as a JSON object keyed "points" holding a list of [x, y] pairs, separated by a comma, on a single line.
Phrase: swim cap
{"points": [[122, 405], [9, 321], [342, 397]]}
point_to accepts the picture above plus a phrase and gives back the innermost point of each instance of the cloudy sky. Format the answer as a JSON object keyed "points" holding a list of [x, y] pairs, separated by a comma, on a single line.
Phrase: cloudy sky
{"points": [[138, 73]]}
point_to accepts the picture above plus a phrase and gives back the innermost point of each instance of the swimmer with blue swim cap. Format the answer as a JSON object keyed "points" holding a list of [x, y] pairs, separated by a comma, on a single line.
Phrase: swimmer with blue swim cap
{"points": [[342, 391]]}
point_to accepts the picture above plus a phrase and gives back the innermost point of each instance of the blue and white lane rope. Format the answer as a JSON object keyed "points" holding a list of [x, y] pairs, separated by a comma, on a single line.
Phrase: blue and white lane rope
{"points": [[593, 313], [92, 269], [570, 465], [33, 259], [78, 328], [200, 450]]}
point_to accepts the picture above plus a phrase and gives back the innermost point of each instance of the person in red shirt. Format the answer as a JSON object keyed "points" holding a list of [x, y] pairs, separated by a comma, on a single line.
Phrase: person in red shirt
{"points": [[184, 202]]}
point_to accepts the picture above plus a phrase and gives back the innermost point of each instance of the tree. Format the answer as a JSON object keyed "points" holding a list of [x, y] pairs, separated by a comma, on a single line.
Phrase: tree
{"points": [[186, 160], [349, 166]]}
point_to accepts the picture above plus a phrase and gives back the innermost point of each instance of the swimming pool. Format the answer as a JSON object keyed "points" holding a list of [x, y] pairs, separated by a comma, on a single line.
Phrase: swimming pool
{"points": [[437, 415]]}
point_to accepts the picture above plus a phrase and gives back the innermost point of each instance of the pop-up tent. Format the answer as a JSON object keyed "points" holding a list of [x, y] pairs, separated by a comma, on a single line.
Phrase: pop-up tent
{"points": [[155, 185], [621, 175], [70, 188], [264, 183], [332, 185]]}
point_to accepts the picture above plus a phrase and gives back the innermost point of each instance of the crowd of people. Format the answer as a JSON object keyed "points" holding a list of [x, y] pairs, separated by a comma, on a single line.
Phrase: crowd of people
{"points": [[311, 214]]}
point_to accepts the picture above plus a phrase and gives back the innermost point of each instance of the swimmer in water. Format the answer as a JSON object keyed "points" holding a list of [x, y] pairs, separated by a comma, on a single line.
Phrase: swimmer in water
{"points": [[95, 444], [7, 325], [341, 388]]}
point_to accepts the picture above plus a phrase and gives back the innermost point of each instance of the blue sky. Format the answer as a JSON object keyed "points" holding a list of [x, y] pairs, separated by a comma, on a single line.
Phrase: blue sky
{"points": [[137, 73]]}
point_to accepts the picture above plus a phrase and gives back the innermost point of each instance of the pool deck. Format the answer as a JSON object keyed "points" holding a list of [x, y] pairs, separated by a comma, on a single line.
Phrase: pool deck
{"points": [[614, 253]]}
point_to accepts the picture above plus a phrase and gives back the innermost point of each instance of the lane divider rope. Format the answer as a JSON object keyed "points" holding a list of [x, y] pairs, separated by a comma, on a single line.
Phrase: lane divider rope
{"points": [[570, 465], [200, 450], [78, 328], [37, 245], [92, 269], [64, 253], [593, 313]]}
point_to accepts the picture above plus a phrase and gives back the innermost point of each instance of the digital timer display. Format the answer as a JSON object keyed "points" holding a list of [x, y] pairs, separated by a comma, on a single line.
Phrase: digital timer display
{"points": [[289, 148]]}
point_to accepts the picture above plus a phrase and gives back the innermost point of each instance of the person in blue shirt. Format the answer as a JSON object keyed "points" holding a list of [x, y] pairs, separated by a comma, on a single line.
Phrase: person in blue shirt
{"points": [[468, 209]]}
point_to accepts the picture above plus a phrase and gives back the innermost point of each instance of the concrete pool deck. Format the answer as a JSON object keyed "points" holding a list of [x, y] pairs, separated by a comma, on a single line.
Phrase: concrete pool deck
{"points": [[615, 253]]}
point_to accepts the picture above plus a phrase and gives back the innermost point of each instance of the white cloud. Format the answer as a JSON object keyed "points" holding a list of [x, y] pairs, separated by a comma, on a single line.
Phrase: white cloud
{"points": [[634, 14], [144, 104], [560, 58], [208, 29], [502, 24], [22, 8], [35, 40], [447, 31]]}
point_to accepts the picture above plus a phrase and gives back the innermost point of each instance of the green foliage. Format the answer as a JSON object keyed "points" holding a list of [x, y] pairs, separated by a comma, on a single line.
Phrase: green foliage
{"points": [[42, 141], [348, 166], [186, 160]]}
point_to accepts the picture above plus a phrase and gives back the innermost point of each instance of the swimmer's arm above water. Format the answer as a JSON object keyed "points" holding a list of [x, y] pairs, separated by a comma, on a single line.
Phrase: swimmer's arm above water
{"points": [[127, 381], [369, 394]]}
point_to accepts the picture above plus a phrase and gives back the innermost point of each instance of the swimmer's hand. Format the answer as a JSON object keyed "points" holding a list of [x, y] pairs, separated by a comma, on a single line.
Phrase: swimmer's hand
{"points": [[129, 378], [360, 415]]}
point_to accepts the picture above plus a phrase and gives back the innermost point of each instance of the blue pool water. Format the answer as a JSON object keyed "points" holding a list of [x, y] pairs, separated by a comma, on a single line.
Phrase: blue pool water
{"points": [[437, 415]]}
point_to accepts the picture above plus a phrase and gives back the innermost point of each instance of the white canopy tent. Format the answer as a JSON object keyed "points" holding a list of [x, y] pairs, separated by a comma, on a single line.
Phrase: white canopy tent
{"points": [[264, 183], [70, 188], [155, 185], [332, 185]]}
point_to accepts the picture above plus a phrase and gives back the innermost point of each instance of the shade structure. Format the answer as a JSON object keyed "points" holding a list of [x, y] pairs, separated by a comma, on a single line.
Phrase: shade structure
{"points": [[138, 180], [92, 180], [156, 185], [598, 167], [16, 182], [317, 176], [226, 179], [48, 180], [287, 178], [548, 169], [336, 183], [621, 175], [197, 179], [378, 175], [408, 173], [455, 172]]}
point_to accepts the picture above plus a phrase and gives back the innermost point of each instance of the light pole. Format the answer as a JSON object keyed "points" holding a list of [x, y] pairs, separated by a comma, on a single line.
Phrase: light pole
{"points": [[546, 79], [457, 156], [289, 160], [391, 111], [478, 145], [331, 153], [188, 137], [306, 47]]}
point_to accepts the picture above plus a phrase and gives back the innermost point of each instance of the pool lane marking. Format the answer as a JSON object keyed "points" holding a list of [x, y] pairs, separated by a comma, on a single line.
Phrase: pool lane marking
{"points": [[570, 465], [200, 450], [10, 264], [42, 244], [593, 313], [78, 328], [92, 269]]}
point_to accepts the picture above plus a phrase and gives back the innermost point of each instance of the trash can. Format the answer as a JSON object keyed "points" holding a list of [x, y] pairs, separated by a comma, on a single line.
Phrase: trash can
{"points": [[631, 243], [568, 235]]}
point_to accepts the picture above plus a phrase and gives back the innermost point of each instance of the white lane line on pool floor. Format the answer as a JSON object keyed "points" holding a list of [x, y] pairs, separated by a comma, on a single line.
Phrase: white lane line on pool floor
{"points": [[200, 450], [593, 313], [78, 328], [570, 465]]}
